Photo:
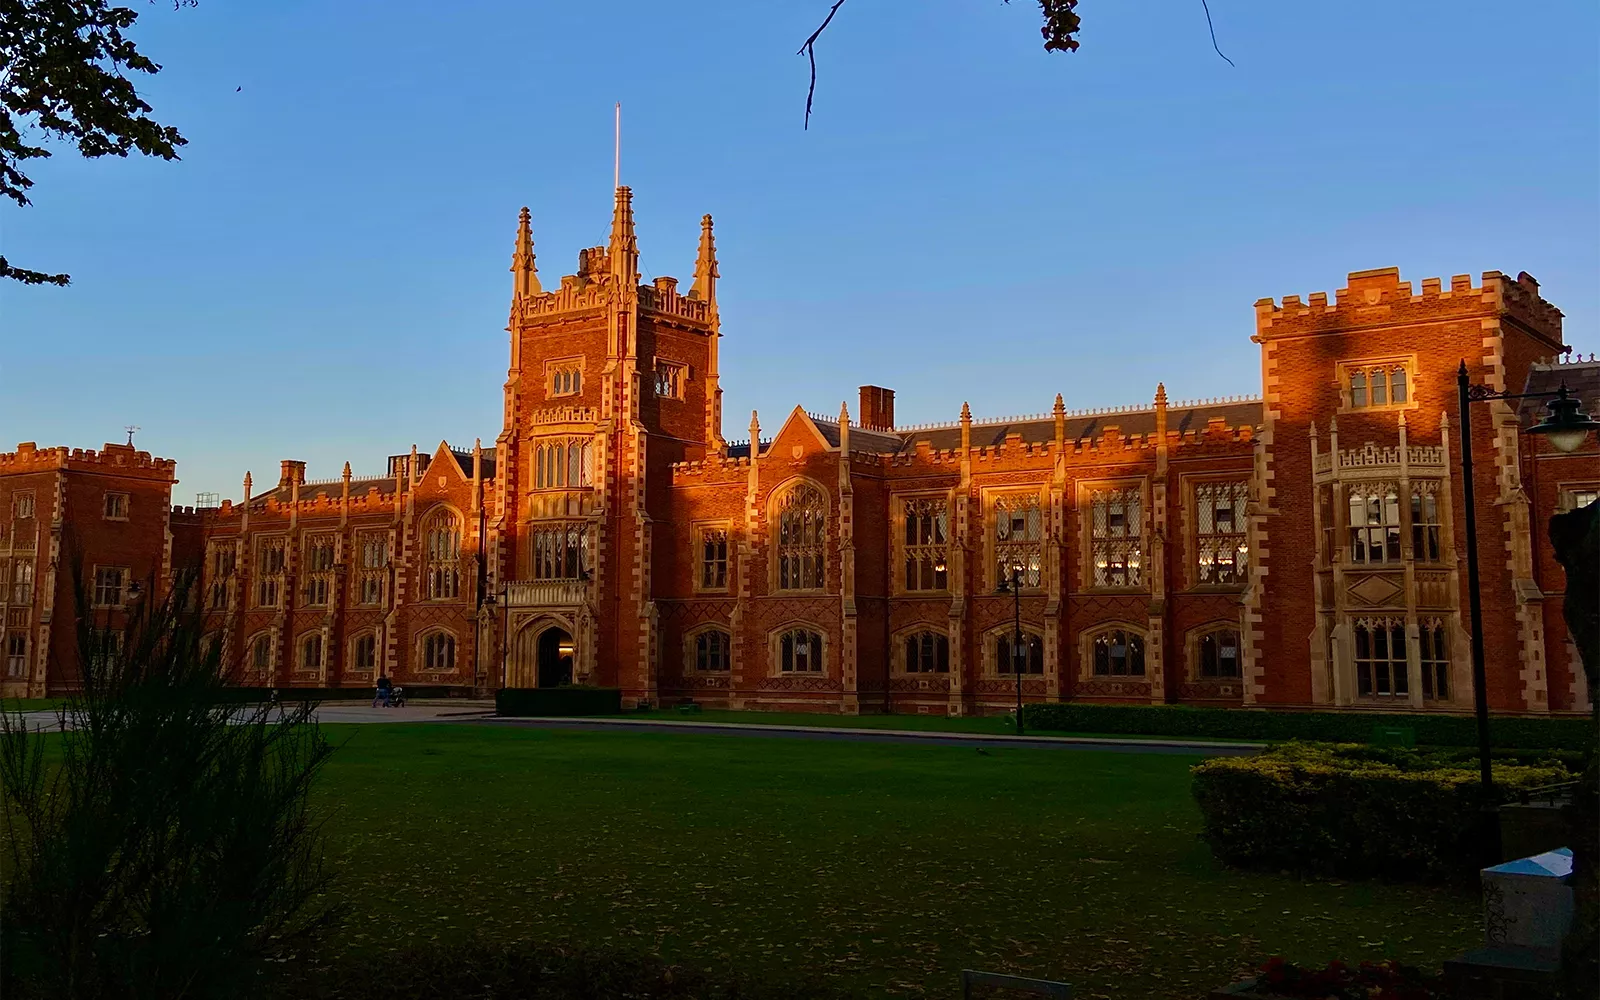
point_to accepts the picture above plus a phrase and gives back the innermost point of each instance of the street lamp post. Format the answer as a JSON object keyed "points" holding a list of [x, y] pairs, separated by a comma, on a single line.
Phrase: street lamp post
{"points": [[1566, 426], [1012, 584]]}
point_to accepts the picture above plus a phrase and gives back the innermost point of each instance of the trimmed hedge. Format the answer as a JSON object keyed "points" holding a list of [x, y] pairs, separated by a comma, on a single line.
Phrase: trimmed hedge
{"points": [[252, 695], [573, 700], [1331, 727], [1353, 810]]}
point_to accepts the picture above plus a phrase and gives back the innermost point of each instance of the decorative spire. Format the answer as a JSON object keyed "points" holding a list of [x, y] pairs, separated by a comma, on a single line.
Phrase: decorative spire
{"points": [[1060, 413], [966, 413], [622, 235], [1161, 395], [247, 487], [755, 428], [347, 472], [705, 265], [526, 281]]}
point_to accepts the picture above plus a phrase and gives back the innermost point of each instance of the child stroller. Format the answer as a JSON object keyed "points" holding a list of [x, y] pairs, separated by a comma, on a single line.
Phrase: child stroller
{"points": [[397, 697]]}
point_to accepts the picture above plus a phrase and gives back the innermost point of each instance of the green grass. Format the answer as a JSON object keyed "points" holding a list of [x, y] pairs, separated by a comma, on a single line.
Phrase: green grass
{"points": [[889, 866], [994, 725], [30, 704]]}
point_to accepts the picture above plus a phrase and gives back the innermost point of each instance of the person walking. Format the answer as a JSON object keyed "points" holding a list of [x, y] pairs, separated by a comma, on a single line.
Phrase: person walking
{"points": [[385, 692]]}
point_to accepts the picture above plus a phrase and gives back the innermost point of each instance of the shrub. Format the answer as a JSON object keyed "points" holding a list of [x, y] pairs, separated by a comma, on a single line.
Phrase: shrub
{"points": [[483, 971], [1339, 981], [1272, 726], [568, 700], [163, 845], [1344, 810]]}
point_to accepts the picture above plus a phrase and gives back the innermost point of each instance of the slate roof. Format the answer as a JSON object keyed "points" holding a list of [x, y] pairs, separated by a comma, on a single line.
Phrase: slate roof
{"points": [[1582, 379]]}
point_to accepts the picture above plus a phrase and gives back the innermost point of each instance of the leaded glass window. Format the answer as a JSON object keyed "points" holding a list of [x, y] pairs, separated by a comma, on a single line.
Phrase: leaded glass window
{"points": [[1019, 538], [559, 551], [1116, 536], [1118, 653], [1380, 658], [927, 534], [442, 555], [1220, 532], [926, 652], [1375, 524], [802, 539]]}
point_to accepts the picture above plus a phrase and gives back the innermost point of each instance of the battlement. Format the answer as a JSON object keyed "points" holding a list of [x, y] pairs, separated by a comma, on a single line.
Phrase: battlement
{"points": [[120, 459], [1379, 296]]}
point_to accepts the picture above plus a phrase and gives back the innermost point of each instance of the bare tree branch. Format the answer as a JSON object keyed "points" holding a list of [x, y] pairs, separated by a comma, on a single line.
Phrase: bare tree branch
{"points": [[1204, 6], [808, 49]]}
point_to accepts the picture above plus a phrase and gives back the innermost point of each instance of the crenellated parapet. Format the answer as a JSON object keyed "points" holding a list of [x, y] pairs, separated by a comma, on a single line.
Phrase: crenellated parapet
{"points": [[1379, 298], [120, 459]]}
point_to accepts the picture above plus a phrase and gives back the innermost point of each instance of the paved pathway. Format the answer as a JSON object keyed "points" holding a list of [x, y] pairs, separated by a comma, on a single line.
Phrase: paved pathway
{"points": [[482, 713], [1132, 744]]}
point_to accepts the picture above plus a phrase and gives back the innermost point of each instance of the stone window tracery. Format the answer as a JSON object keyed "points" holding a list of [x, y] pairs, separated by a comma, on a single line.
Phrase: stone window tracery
{"points": [[109, 583], [219, 569], [1221, 548], [319, 570], [1019, 538], [1375, 524], [566, 378], [364, 652], [926, 544], [16, 654], [22, 504], [1425, 525], [1434, 650], [116, 507], [269, 571], [712, 650], [669, 380], [441, 566], [1116, 536], [1375, 385], [563, 464], [1118, 652], [372, 572], [799, 651], [925, 652], [439, 652], [1219, 653], [1380, 658], [714, 558], [311, 652], [22, 581], [1012, 656], [558, 551], [802, 534], [261, 653]]}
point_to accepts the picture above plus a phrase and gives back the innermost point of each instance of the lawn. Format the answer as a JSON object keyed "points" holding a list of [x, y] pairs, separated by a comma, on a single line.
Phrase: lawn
{"points": [[889, 866], [993, 725]]}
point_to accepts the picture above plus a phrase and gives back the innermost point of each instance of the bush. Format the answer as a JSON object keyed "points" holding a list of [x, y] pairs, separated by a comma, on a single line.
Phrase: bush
{"points": [[1350, 811], [571, 700], [1272, 726], [481, 971], [1339, 981], [165, 844]]}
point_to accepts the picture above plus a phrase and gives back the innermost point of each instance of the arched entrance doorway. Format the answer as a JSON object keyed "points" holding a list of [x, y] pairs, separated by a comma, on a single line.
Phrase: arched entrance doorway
{"points": [[555, 657]]}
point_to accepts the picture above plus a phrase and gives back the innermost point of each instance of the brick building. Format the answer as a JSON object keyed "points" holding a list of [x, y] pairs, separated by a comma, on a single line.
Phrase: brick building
{"points": [[1304, 548]]}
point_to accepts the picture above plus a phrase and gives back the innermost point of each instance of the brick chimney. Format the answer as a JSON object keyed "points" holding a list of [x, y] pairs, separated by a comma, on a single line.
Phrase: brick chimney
{"points": [[290, 471], [877, 408]]}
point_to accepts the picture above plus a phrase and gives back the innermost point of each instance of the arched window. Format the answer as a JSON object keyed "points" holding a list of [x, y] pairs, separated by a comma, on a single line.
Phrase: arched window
{"points": [[261, 653], [1010, 656], [1219, 653], [802, 533], [364, 653], [1380, 657], [800, 652], [439, 651], [711, 649], [311, 652], [442, 555], [926, 652], [1118, 653]]}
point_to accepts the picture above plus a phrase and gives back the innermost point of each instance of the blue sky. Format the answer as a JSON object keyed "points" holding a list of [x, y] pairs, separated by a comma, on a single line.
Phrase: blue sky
{"points": [[323, 276]]}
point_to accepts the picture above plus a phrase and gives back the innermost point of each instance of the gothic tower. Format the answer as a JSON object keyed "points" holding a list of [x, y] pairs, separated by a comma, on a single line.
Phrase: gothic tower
{"points": [[610, 382]]}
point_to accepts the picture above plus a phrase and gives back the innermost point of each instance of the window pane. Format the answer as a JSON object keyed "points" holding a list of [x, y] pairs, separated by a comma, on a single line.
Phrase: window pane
{"points": [[1358, 389], [1397, 385]]}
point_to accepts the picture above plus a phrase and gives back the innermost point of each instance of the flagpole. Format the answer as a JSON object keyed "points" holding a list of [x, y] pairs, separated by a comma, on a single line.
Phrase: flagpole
{"points": [[616, 168]]}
